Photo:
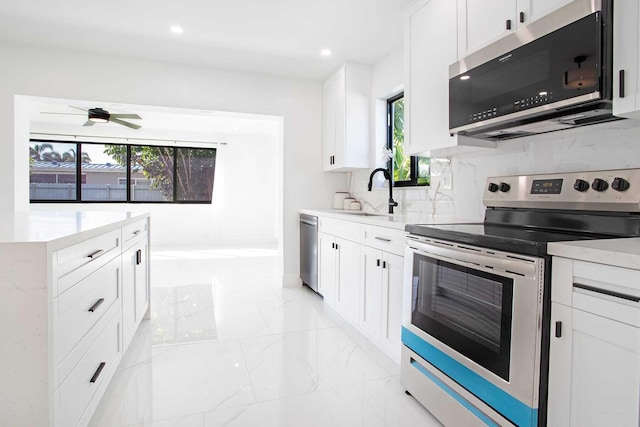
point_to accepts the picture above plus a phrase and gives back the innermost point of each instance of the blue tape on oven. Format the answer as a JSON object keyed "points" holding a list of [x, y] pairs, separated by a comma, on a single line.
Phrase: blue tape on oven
{"points": [[507, 405], [464, 402]]}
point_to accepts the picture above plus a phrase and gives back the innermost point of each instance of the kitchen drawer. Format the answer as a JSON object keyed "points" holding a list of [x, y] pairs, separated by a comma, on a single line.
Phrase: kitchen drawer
{"points": [[132, 232], [95, 366], [76, 310], [343, 229], [385, 239], [96, 251]]}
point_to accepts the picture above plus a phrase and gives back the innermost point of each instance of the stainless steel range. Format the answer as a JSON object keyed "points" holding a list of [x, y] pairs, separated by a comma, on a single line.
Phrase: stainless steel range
{"points": [[477, 296]]}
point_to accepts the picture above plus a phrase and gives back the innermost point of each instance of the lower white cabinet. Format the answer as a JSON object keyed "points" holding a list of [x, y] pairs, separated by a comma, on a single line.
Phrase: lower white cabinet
{"points": [[340, 275], [361, 278], [380, 313], [134, 287], [64, 306], [594, 360]]}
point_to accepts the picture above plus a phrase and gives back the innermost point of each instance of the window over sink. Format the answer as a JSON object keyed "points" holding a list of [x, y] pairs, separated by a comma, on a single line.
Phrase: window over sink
{"points": [[408, 171]]}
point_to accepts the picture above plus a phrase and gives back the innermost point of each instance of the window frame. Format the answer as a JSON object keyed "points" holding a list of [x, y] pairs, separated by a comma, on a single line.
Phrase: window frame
{"points": [[413, 182], [78, 173]]}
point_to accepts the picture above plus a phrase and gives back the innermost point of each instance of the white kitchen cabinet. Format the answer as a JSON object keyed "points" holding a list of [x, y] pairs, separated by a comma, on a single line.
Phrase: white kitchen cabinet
{"points": [[430, 47], [339, 279], [64, 304], [392, 277], [381, 310], [371, 310], [594, 367], [348, 282], [347, 98], [327, 269], [482, 22], [626, 59], [135, 287], [360, 276]]}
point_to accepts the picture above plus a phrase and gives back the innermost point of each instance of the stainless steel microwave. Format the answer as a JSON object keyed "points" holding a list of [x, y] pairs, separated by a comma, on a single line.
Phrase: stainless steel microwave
{"points": [[551, 75]]}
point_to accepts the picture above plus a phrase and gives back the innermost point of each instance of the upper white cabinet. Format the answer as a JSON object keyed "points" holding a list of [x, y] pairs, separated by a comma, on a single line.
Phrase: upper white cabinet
{"points": [[347, 99], [481, 22], [431, 42], [626, 59]]}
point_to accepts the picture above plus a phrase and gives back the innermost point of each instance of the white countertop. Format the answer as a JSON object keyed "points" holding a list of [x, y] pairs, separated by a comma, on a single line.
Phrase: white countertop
{"points": [[397, 221], [618, 252], [47, 226]]}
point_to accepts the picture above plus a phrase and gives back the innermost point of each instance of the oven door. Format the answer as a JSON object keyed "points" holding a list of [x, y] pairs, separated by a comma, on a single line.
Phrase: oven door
{"points": [[475, 314]]}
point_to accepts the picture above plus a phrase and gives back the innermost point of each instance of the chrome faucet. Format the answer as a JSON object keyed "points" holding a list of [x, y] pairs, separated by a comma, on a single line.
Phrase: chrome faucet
{"points": [[387, 176]]}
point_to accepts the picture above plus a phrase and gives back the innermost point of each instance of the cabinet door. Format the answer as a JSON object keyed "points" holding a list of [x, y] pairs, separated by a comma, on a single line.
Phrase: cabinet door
{"points": [[603, 366], [128, 294], [532, 10], [141, 282], [349, 279], [393, 271], [481, 22], [371, 310], [626, 47], [327, 269], [329, 116], [431, 47], [341, 117]]}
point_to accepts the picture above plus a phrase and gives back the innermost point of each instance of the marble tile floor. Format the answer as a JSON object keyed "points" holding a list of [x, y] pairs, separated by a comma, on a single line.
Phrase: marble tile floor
{"points": [[227, 346]]}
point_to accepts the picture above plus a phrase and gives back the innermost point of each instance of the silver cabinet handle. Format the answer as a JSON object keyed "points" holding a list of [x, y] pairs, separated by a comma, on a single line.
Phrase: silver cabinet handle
{"points": [[95, 254], [383, 239]]}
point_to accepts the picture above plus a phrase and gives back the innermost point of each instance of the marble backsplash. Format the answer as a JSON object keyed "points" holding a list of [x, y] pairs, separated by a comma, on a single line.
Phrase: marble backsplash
{"points": [[457, 183]]}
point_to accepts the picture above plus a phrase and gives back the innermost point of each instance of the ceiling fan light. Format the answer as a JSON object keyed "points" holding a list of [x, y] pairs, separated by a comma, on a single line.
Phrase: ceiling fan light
{"points": [[98, 115]]}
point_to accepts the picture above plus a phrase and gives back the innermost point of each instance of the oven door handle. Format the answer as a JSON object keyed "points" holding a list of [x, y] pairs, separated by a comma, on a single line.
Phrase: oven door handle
{"points": [[518, 266]]}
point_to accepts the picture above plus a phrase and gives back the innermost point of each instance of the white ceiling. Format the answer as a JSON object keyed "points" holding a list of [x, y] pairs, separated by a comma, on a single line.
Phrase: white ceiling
{"points": [[159, 123], [281, 37]]}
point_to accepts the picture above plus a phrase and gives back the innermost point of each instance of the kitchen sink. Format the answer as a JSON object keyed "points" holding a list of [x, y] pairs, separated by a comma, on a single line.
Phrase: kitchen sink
{"points": [[365, 214]]}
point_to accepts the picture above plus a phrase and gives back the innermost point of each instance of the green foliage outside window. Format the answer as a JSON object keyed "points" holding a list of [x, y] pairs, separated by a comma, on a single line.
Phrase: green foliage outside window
{"points": [[407, 170]]}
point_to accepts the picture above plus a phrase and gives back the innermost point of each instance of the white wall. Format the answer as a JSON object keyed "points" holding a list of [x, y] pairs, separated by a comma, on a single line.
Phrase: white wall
{"points": [[62, 74]]}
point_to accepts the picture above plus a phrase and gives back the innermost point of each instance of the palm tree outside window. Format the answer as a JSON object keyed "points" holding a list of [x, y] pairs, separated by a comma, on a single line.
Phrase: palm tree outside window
{"points": [[408, 171]]}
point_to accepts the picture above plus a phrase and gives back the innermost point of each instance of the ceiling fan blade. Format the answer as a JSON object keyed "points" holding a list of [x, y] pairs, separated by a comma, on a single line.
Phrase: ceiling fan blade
{"points": [[78, 108], [88, 123], [64, 114], [123, 123], [126, 116]]}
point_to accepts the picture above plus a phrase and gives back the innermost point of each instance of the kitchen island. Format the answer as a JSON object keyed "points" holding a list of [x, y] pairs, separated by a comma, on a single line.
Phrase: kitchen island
{"points": [[74, 288]]}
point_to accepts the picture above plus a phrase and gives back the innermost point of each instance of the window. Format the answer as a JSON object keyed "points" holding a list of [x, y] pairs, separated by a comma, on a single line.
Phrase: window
{"points": [[407, 170], [120, 173]]}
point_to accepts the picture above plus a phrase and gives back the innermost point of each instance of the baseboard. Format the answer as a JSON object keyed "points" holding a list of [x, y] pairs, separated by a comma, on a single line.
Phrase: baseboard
{"points": [[291, 281]]}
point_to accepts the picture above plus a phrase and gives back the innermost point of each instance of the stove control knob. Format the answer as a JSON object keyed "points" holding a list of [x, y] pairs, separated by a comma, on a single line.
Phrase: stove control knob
{"points": [[504, 187], [581, 185], [599, 184], [493, 187], [620, 184]]}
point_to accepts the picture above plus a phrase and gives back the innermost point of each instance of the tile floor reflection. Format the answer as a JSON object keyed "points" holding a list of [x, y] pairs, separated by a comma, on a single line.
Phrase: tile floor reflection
{"points": [[227, 346]]}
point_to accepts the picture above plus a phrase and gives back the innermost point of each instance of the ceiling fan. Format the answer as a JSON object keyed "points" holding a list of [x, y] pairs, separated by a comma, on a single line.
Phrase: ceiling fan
{"points": [[100, 115]]}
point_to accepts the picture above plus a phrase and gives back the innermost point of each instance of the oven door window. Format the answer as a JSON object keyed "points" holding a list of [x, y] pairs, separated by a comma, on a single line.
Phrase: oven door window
{"points": [[466, 309]]}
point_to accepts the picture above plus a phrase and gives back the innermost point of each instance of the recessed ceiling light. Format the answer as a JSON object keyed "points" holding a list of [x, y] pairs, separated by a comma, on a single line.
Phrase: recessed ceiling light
{"points": [[465, 77], [325, 52], [176, 29]]}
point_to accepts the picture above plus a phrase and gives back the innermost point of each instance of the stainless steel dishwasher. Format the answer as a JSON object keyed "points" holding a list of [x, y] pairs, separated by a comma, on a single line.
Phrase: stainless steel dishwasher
{"points": [[309, 251]]}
